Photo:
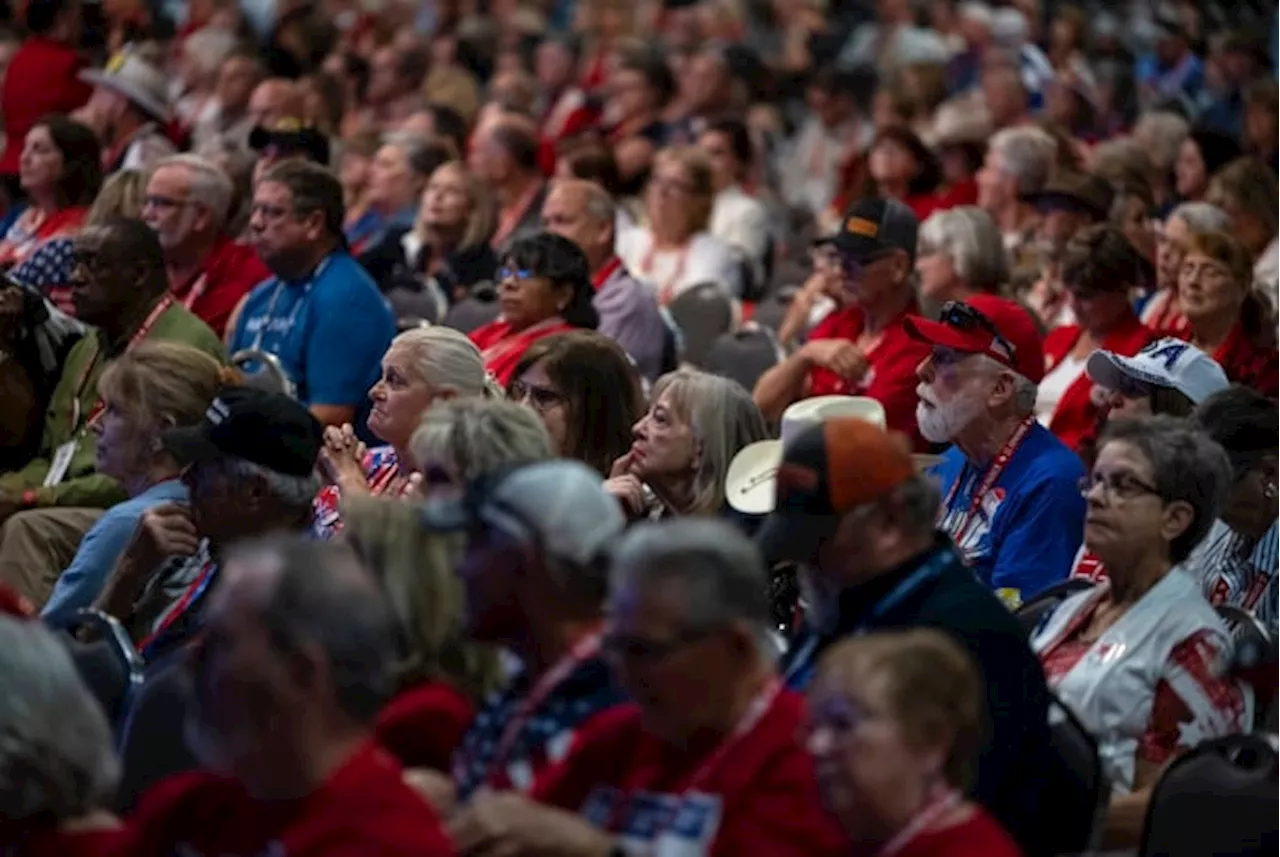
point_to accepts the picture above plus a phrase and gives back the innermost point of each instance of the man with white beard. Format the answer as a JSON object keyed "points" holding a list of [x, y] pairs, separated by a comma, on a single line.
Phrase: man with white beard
{"points": [[1011, 490]]}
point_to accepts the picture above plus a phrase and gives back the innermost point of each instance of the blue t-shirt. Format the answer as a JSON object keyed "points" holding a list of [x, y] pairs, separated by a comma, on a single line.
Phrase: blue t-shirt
{"points": [[102, 545], [1025, 532], [329, 330]]}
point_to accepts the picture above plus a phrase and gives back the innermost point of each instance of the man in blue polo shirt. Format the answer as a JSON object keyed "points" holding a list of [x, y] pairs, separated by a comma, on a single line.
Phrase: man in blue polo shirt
{"points": [[320, 315], [1011, 490]]}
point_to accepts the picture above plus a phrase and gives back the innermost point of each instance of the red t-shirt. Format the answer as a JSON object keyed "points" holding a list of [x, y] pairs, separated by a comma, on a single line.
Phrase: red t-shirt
{"points": [[229, 273], [502, 349], [56, 68], [1075, 420], [979, 835], [891, 378], [759, 797], [423, 725], [1247, 363], [364, 809]]}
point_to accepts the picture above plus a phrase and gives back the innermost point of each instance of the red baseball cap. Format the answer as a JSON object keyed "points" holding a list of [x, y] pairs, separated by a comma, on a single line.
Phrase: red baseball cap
{"points": [[990, 325]]}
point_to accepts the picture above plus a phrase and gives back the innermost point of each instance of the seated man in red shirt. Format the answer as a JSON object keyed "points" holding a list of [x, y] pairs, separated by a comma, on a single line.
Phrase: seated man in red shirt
{"points": [[862, 348], [188, 202], [707, 761], [296, 661]]}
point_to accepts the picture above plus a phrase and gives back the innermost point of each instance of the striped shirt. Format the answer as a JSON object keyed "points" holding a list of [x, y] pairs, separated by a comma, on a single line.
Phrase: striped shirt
{"points": [[1235, 570]]}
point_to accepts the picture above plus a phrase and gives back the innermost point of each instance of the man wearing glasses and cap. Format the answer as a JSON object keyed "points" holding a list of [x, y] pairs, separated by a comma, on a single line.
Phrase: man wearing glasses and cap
{"points": [[1011, 501], [862, 348]]}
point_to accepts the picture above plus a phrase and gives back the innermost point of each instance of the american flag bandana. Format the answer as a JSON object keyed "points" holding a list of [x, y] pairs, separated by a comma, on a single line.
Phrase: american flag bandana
{"points": [[547, 736]]}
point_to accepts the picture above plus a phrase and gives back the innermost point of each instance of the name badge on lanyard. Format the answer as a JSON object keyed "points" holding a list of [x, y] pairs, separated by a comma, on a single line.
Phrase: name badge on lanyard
{"points": [[61, 463]]}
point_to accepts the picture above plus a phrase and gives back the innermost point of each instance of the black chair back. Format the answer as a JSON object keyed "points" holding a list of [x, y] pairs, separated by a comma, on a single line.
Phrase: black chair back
{"points": [[475, 310], [1030, 614], [703, 312], [772, 310], [153, 741], [106, 660], [1076, 790], [744, 355], [1219, 798]]}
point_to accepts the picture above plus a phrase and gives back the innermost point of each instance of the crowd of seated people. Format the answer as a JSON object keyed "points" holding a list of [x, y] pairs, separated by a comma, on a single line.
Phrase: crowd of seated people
{"points": [[380, 387]]}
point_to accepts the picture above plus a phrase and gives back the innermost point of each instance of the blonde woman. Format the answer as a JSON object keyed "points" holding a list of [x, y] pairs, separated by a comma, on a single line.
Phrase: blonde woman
{"points": [[423, 366], [441, 677], [675, 251], [695, 425], [447, 251], [151, 388]]}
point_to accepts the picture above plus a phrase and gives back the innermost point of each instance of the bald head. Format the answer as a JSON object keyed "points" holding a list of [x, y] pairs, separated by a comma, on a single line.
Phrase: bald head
{"points": [[505, 148], [275, 99], [582, 212]]}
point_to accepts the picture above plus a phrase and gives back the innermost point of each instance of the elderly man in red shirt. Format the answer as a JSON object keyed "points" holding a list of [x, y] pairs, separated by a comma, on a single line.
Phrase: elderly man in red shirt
{"points": [[294, 665], [862, 347], [707, 760], [187, 203]]}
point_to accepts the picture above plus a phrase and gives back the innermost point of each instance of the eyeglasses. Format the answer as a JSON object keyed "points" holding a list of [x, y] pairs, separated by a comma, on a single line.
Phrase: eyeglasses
{"points": [[840, 716], [1117, 486], [638, 649], [539, 398], [854, 268], [505, 273], [961, 316]]}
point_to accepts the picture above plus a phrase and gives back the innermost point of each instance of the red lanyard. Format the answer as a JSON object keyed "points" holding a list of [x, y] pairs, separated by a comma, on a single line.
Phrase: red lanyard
{"points": [[759, 707], [180, 606], [942, 802], [197, 290], [993, 473], [606, 271], [138, 335], [584, 650]]}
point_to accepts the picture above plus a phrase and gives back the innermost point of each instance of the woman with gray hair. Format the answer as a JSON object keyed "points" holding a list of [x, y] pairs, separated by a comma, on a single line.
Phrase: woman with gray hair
{"points": [[695, 425], [58, 772], [1018, 164], [1161, 311], [422, 367], [1140, 658], [960, 253], [464, 439], [397, 175]]}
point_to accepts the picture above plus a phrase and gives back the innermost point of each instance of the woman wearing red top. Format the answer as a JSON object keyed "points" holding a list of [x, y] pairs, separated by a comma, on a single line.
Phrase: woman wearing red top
{"points": [[47, 56], [1099, 270], [1229, 320], [894, 720], [61, 172], [901, 167], [543, 288], [442, 676]]}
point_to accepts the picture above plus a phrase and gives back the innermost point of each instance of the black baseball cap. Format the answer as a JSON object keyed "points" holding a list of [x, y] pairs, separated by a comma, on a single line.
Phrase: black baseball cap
{"points": [[269, 429], [291, 137], [873, 227], [827, 470]]}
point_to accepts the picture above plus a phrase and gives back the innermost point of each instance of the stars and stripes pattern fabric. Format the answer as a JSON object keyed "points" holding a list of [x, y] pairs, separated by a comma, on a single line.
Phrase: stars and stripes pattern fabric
{"points": [[548, 736], [47, 270], [1234, 570]]}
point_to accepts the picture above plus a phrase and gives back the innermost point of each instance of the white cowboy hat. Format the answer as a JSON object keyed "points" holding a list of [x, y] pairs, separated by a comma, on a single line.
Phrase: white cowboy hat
{"points": [[749, 484], [135, 79]]}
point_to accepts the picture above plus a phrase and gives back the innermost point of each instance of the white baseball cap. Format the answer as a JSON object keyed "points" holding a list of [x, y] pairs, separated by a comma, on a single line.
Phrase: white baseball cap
{"points": [[1167, 362]]}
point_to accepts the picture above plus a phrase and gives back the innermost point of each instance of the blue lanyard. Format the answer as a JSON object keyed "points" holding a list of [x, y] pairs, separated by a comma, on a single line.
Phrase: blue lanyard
{"points": [[297, 306], [802, 667]]}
